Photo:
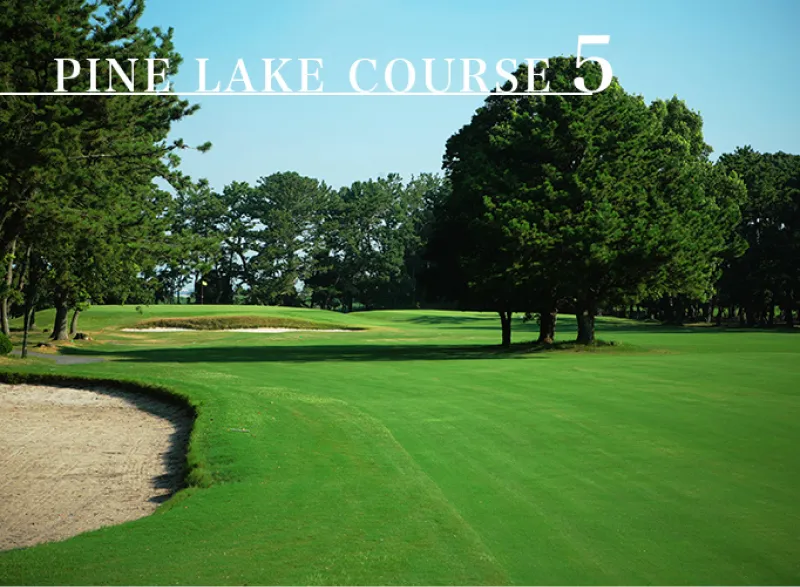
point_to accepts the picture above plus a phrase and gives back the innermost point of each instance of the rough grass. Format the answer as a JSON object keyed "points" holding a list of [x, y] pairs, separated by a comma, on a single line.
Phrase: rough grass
{"points": [[234, 322]]}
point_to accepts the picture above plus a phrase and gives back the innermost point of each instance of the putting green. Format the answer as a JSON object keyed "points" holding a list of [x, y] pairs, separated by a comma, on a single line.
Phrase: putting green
{"points": [[411, 452]]}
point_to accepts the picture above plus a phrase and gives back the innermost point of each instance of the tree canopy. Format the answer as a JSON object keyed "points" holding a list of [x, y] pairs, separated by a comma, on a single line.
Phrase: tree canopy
{"points": [[581, 202], [77, 191]]}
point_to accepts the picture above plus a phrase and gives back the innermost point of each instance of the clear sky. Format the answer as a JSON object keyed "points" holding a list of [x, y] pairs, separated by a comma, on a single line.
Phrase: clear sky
{"points": [[735, 61]]}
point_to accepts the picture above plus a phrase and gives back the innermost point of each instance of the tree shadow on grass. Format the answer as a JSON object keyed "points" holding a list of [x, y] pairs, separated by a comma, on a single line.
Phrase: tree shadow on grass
{"points": [[321, 353]]}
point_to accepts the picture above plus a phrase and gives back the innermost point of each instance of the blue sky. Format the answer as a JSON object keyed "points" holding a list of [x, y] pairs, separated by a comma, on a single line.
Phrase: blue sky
{"points": [[734, 61]]}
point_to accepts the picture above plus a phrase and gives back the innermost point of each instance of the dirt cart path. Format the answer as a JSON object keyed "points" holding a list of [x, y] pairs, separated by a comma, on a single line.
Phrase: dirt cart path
{"points": [[73, 460]]}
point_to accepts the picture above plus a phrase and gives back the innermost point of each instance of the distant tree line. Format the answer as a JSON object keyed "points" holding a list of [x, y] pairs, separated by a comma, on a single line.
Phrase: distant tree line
{"points": [[295, 241], [547, 205], [662, 234]]}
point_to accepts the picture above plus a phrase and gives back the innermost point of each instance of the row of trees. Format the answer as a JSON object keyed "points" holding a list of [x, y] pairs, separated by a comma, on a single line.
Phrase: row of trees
{"points": [[293, 240], [585, 207], [602, 204], [81, 217], [767, 275]]}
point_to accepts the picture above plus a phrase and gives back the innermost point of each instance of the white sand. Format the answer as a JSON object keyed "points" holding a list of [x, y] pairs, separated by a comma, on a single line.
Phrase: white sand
{"points": [[74, 460]]}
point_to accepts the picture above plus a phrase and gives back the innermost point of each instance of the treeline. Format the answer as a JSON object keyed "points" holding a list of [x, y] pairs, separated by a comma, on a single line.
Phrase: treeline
{"points": [[295, 241], [759, 284], [569, 204], [703, 242]]}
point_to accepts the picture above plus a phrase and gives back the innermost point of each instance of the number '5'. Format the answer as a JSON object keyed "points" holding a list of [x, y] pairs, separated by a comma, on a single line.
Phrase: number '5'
{"points": [[605, 66]]}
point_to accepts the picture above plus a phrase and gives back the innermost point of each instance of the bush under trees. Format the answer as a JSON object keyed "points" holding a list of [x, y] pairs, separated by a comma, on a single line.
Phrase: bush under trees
{"points": [[5, 344]]}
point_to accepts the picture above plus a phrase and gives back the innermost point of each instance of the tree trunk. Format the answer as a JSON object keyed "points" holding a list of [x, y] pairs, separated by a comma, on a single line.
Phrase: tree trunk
{"points": [[4, 308], [26, 316], [680, 311], [29, 293], [60, 331], [750, 315], [4, 326], [505, 323], [547, 326], [585, 319], [73, 325], [669, 311]]}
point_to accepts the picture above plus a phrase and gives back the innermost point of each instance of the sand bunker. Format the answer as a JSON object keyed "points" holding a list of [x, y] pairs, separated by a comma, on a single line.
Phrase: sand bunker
{"points": [[274, 330], [73, 460]]}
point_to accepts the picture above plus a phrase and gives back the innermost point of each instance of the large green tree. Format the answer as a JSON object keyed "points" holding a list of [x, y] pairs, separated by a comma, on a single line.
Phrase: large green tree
{"points": [[76, 172], [581, 201], [282, 209]]}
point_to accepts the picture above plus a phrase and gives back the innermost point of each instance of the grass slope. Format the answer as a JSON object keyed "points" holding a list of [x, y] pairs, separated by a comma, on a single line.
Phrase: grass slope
{"points": [[413, 452]]}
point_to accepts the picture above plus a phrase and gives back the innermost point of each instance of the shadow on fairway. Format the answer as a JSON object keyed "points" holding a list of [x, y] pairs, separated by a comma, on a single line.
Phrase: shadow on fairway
{"points": [[317, 353]]}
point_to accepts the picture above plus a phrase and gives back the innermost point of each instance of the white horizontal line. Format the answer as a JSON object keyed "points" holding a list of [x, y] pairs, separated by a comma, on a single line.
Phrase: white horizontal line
{"points": [[397, 94]]}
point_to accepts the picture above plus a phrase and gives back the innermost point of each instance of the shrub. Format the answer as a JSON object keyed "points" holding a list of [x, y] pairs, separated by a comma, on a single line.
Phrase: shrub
{"points": [[5, 344]]}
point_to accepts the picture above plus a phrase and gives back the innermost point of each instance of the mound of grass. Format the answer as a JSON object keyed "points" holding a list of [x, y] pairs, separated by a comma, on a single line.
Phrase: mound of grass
{"points": [[233, 322]]}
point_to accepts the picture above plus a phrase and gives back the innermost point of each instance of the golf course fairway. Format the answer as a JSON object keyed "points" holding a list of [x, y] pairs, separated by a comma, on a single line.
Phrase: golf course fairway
{"points": [[416, 451]]}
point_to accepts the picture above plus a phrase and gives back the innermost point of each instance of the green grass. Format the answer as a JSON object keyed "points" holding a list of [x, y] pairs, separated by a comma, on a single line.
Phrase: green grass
{"points": [[417, 452]]}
